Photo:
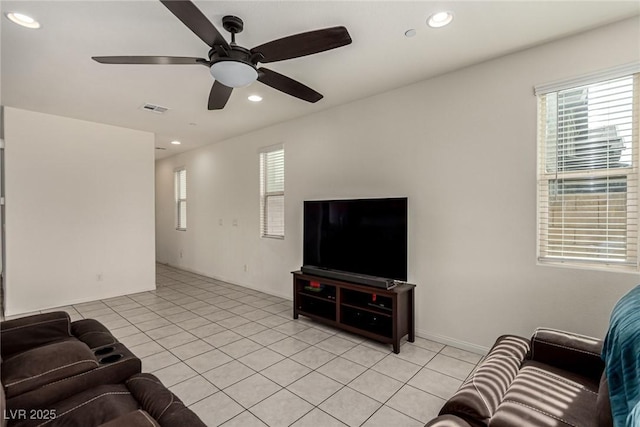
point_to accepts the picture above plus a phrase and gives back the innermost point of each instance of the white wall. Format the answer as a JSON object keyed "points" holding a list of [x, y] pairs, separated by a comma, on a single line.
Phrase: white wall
{"points": [[462, 147], [79, 203]]}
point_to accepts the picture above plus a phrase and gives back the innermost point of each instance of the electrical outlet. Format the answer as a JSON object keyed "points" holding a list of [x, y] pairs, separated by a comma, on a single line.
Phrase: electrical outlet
{"points": [[99, 277], [180, 254], [235, 222], [246, 267], [220, 221]]}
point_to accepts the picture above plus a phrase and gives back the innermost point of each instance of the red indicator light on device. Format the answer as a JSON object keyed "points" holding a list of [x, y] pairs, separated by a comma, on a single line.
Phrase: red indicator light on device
{"points": [[373, 297]]}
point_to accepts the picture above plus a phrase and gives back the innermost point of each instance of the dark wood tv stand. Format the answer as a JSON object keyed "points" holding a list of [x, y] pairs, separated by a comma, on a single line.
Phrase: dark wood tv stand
{"points": [[384, 315]]}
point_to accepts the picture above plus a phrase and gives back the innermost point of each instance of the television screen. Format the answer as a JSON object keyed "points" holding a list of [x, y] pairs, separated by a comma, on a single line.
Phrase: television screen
{"points": [[363, 236]]}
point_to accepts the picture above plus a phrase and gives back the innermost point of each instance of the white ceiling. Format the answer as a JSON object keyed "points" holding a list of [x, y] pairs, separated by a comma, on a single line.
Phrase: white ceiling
{"points": [[50, 70]]}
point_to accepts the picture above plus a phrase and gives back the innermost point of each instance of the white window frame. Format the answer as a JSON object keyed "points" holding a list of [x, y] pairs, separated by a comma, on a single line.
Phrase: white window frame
{"points": [[265, 213], [180, 199], [630, 263]]}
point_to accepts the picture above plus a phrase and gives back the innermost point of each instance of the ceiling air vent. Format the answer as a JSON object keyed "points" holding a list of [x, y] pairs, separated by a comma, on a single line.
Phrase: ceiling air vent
{"points": [[154, 108], [160, 148]]}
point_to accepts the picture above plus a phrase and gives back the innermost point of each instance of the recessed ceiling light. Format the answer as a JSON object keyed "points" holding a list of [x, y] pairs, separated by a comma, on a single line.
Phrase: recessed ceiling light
{"points": [[176, 142], [410, 33], [22, 19], [254, 98], [440, 19]]}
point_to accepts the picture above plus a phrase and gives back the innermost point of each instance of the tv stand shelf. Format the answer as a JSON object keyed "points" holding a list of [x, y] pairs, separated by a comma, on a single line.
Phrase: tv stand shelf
{"points": [[384, 315]]}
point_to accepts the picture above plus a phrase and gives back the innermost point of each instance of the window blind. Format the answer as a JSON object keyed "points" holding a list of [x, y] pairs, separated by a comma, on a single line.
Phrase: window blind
{"points": [[588, 173], [181, 199], [272, 192]]}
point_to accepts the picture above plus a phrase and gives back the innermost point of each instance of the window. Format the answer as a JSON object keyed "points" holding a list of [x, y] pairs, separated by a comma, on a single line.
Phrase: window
{"points": [[272, 192], [181, 199], [588, 172]]}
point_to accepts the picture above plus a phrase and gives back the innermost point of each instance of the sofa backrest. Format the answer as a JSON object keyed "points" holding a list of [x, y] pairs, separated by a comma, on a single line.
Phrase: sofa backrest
{"points": [[569, 351], [28, 332]]}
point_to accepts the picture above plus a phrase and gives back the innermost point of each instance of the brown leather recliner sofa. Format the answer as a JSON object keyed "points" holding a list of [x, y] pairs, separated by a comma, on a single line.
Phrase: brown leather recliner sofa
{"points": [[556, 378], [61, 373], [46, 358], [141, 400]]}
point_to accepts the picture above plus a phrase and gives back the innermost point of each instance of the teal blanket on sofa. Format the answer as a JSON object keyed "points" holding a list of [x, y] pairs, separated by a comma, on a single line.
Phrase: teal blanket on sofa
{"points": [[621, 354]]}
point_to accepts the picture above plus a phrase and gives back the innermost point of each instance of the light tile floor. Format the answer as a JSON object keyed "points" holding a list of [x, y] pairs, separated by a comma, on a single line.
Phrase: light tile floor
{"points": [[236, 357]]}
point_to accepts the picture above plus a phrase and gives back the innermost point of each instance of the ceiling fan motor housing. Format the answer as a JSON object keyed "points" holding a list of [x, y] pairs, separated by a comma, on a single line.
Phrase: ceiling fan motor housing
{"points": [[235, 53], [235, 68]]}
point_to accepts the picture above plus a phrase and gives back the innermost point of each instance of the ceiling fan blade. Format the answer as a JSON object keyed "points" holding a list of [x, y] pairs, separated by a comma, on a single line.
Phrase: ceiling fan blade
{"points": [[303, 44], [219, 96], [193, 18], [287, 85], [159, 60]]}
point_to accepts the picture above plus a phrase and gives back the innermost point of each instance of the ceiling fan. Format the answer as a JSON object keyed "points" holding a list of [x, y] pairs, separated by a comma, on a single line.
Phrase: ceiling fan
{"points": [[234, 66]]}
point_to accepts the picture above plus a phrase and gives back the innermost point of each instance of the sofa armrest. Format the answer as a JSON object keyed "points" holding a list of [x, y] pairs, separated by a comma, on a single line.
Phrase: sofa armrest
{"points": [[157, 400], [481, 393], [93, 333], [137, 418], [447, 421], [29, 332], [572, 352]]}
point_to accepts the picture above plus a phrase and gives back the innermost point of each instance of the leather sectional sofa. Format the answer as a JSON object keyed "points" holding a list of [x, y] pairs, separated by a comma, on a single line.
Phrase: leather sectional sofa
{"points": [[56, 372], [556, 379], [141, 400]]}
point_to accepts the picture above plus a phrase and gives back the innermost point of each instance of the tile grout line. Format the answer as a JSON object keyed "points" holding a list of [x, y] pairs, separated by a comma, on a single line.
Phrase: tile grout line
{"points": [[193, 294]]}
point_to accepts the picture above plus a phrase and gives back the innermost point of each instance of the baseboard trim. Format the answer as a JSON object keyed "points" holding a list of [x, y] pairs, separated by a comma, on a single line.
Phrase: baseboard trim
{"points": [[223, 279], [10, 313], [463, 345]]}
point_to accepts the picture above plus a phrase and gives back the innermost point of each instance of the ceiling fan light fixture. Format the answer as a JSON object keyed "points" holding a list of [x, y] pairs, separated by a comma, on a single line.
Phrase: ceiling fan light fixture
{"points": [[233, 73], [22, 19], [440, 19]]}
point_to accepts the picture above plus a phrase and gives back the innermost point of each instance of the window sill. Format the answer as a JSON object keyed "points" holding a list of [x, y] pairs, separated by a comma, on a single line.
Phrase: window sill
{"points": [[267, 236], [586, 265]]}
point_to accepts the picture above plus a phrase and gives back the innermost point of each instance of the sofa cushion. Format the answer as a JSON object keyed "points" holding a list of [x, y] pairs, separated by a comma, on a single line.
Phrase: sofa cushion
{"points": [[90, 408], [541, 396], [112, 368], [138, 418], [478, 397], [28, 332], [42, 365]]}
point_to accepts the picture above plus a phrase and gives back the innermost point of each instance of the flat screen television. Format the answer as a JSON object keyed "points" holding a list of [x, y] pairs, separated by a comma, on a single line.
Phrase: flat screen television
{"points": [[361, 236]]}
